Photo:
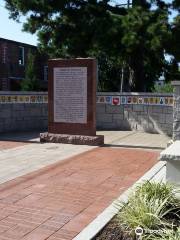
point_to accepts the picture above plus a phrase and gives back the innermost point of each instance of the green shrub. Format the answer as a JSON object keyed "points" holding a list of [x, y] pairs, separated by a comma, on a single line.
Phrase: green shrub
{"points": [[31, 81], [169, 234], [152, 207], [166, 88]]}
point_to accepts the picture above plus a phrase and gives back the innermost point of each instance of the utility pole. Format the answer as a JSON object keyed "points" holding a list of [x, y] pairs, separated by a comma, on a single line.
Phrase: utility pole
{"points": [[122, 78], [128, 4]]}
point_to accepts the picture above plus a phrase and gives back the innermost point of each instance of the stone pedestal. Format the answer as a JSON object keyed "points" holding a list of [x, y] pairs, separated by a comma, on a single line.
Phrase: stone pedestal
{"points": [[72, 102], [72, 139], [176, 111], [172, 157]]}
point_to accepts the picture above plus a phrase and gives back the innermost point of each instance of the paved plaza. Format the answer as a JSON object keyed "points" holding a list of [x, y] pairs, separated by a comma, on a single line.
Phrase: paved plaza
{"points": [[52, 191], [22, 153]]}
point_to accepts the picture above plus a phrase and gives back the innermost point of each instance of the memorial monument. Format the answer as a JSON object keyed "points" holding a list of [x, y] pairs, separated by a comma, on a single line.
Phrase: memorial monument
{"points": [[72, 102]]}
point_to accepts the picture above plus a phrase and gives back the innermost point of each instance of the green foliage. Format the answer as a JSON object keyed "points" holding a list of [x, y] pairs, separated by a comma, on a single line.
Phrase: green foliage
{"points": [[144, 44], [136, 39], [174, 45], [166, 88], [31, 82], [168, 235], [109, 68], [172, 71], [152, 207]]}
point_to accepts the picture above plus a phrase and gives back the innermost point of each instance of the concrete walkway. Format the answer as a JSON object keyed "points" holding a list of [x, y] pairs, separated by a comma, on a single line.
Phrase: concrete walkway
{"points": [[21, 153], [135, 139], [27, 158], [118, 138]]}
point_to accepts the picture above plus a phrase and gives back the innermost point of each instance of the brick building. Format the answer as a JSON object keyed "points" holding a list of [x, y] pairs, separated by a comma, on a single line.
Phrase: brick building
{"points": [[13, 62]]}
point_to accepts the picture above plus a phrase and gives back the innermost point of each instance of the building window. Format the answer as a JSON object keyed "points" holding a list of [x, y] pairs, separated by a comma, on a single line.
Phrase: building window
{"points": [[21, 56], [45, 73], [4, 54]]}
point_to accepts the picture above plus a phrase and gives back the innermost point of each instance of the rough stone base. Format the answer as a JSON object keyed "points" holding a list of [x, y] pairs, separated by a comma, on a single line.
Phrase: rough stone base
{"points": [[72, 139]]}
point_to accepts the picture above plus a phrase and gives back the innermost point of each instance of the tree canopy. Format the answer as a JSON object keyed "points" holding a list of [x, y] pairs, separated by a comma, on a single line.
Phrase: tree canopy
{"points": [[31, 81], [134, 39]]}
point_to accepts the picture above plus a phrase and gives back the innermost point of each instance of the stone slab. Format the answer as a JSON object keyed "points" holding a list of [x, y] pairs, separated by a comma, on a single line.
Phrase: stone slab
{"points": [[72, 96], [172, 153], [72, 139], [173, 172]]}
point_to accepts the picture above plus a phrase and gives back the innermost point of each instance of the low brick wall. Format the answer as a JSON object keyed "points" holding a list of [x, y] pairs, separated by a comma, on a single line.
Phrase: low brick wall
{"points": [[25, 111], [21, 111], [147, 112]]}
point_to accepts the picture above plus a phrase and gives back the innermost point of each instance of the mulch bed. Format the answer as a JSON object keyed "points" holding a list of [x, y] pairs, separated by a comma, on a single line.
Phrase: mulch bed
{"points": [[112, 231]]}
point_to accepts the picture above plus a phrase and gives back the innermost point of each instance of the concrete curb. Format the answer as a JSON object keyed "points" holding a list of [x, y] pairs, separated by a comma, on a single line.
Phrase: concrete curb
{"points": [[91, 230]]}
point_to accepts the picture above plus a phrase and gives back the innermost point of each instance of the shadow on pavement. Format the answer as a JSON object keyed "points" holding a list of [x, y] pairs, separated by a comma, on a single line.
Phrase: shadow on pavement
{"points": [[133, 146], [31, 137]]}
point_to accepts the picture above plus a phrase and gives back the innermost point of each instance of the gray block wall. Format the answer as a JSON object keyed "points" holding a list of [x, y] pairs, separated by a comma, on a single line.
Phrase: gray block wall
{"points": [[23, 117], [23, 111], [176, 113], [152, 119], [148, 118]]}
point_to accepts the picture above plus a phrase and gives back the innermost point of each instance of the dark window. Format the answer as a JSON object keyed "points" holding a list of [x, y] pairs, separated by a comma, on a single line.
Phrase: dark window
{"points": [[45, 73], [21, 56], [4, 54]]}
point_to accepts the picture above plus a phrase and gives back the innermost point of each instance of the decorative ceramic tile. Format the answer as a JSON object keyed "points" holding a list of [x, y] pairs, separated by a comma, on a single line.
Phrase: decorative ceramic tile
{"points": [[123, 100], [23, 98], [116, 101], [108, 99]]}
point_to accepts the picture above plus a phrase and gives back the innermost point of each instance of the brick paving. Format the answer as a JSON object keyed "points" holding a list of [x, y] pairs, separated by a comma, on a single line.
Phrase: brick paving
{"points": [[58, 201]]}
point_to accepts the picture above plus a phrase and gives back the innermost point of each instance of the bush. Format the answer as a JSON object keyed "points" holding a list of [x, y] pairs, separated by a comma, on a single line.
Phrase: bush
{"points": [[166, 88], [31, 82], [153, 206], [170, 235]]}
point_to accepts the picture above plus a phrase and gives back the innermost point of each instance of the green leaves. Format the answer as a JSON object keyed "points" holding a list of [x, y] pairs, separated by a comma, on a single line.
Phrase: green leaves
{"points": [[137, 37], [31, 81], [153, 206]]}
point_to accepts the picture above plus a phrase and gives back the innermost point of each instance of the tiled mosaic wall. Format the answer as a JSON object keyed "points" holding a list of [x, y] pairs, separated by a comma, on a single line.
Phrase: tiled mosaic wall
{"points": [[23, 112], [126, 111], [134, 99], [24, 98], [146, 112]]}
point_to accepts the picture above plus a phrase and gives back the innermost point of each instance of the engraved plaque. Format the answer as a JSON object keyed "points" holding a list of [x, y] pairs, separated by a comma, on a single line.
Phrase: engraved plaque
{"points": [[70, 94]]}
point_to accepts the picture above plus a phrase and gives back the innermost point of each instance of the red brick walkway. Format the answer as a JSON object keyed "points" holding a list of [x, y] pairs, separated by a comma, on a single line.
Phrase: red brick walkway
{"points": [[57, 202], [9, 144]]}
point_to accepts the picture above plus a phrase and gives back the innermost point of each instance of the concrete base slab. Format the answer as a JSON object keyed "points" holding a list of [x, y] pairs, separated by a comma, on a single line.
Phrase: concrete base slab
{"points": [[135, 139], [72, 139], [173, 172], [172, 153], [172, 156]]}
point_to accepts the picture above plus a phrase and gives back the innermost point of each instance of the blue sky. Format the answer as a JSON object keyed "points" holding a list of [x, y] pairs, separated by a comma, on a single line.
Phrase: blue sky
{"points": [[11, 30]]}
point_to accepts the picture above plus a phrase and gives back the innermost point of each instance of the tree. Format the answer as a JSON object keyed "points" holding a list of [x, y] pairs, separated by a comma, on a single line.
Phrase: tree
{"points": [[69, 28], [173, 46], [30, 82], [143, 44], [75, 29], [135, 39]]}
